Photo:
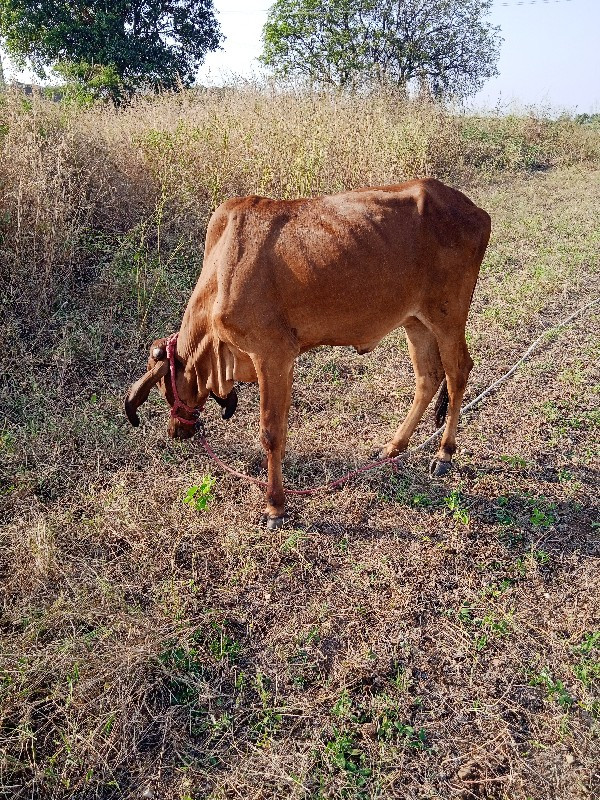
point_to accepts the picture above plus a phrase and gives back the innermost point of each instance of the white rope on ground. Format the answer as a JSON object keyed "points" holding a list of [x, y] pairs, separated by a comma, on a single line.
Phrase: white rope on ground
{"points": [[506, 375]]}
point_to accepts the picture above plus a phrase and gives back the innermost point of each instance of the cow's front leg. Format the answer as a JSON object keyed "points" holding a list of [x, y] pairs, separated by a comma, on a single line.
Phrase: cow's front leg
{"points": [[274, 380]]}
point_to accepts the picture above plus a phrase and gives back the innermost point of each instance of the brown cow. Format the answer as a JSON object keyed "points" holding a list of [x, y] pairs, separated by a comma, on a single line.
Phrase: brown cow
{"points": [[283, 276]]}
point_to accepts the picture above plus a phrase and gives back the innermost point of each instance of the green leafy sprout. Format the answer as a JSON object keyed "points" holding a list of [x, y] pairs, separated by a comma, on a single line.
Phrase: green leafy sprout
{"points": [[201, 495]]}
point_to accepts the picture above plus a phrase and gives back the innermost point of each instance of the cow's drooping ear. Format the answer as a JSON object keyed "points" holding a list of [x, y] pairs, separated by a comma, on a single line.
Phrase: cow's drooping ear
{"points": [[140, 390], [228, 405]]}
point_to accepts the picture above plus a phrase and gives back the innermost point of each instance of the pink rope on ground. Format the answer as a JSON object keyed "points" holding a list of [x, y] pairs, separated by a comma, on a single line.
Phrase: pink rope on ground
{"points": [[324, 487]]}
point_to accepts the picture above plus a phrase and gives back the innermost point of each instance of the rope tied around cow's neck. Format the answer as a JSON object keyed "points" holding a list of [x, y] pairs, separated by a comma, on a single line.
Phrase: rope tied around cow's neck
{"points": [[393, 460], [177, 401]]}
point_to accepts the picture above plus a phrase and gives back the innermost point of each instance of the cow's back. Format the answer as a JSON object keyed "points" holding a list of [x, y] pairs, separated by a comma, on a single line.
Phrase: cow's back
{"points": [[347, 267]]}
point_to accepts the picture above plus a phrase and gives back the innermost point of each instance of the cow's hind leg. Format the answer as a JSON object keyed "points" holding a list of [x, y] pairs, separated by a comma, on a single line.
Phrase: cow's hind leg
{"points": [[457, 366], [427, 365], [275, 381]]}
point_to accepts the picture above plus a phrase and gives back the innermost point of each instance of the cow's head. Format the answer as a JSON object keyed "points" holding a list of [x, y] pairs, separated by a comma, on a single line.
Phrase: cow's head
{"points": [[186, 399]]}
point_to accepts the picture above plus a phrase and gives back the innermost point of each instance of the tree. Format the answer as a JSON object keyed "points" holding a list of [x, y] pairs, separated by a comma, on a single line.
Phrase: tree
{"points": [[446, 46], [140, 44]]}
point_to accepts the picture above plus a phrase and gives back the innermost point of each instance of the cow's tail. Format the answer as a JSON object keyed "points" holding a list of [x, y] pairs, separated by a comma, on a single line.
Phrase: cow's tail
{"points": [[441, 405]]}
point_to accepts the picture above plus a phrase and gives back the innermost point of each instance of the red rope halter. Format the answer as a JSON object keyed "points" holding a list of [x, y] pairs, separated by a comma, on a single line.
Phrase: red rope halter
{"points": [[177, 401]]}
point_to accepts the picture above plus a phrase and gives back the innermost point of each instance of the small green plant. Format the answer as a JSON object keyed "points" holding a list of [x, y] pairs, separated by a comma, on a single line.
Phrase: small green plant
{"points": [[454, 502], [7, 442], [590, 641], [489, 626], [293, 540], [108, 725], [391, 728], [587, 669], [421, 500], [492, 627], [183, 667], [200, 496], [517, 510], [402, 490], [343, 753], [221, 645], [503, 516], [541, 517], [518, 462], [555, 689], [497, 589], [343, 705], [267, 720], [219, 724], [400, 678], [528, 561]]}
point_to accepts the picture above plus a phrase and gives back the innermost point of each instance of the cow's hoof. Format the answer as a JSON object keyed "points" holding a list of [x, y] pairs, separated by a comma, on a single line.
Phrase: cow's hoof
{"points": [[382, 453], [274, 523], [437, 468]]}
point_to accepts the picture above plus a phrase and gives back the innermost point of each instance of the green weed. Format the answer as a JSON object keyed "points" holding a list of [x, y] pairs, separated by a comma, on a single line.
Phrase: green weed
{"points": [[485, 627], [542, 517], [7, 442], [292, 541], [343, 753], [183, 666], [497, 589], [587, 669], [529, 560], [590, 641], [400, 678], [522, 509], [503, 516], [222, 646], [518, 462], [455, 503], [267, 720], [200, 496], [391, 728], [343, 706], [402, 490], [555, 689]]}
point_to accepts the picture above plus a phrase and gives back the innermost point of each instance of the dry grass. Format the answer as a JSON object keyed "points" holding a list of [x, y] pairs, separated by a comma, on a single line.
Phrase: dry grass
{"points": [[401, 638]]}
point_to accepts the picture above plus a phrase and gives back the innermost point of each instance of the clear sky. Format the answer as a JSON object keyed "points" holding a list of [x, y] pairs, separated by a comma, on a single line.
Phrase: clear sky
{"points": [[550, 56]]}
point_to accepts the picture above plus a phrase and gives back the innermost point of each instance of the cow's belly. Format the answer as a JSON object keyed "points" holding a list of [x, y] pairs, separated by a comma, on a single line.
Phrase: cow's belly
{"points": [[351, 313], [362, 330]]}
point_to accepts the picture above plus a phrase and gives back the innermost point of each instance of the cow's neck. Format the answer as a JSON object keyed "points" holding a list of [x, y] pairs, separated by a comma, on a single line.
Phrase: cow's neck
{"points": [[208, 361]]}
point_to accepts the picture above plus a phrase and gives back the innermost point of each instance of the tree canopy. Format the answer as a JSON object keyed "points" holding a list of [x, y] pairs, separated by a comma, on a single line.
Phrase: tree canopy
{"points": [[143, 44], [447, 46]]}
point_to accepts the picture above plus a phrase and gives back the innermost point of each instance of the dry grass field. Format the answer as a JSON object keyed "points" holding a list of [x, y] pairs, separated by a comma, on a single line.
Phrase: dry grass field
{"points": [[401, 637]]}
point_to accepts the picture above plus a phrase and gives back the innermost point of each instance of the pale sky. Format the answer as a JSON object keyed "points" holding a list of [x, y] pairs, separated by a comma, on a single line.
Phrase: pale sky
{"points": [[550, 56]]}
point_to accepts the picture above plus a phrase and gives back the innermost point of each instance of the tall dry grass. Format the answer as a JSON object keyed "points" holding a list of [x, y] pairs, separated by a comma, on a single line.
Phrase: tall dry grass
{"points": [[80, 188]]}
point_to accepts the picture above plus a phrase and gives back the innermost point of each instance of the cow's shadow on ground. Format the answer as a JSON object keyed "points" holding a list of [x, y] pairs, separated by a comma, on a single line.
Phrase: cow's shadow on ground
{"points": [[518, 517]]}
